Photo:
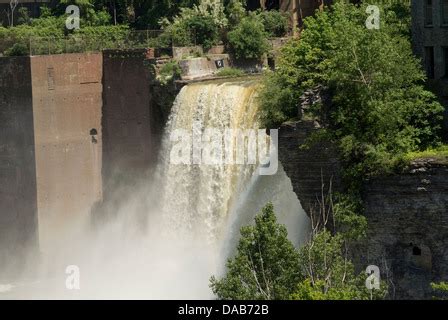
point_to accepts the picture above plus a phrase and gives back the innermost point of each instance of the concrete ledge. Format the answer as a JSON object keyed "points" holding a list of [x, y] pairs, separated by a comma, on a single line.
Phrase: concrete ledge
{"points": [[203, 67]]}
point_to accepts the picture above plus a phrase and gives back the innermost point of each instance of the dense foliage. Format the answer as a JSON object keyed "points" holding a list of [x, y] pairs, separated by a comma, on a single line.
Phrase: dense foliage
{"points": [[111, 24], [275, 23], [380, 109], [267, 266], [249, 39], [199, 25], [49, 34]]}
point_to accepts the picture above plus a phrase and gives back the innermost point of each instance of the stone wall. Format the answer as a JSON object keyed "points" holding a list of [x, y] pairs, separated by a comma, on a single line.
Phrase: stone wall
{"points": [[407, 213], [18, 203]]}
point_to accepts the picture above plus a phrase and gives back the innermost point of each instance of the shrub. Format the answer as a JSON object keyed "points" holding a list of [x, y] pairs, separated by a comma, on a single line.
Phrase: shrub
{"points": [[191, 27], [177, 35], [204, 30], [275, 23], [169, 72], [248, 40], [18, 49], [199, 25], [235, 11]]}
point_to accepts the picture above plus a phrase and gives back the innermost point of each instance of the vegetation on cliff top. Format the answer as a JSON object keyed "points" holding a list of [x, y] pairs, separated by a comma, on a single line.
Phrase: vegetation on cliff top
{"points": [[380, 110], [379, 114]]}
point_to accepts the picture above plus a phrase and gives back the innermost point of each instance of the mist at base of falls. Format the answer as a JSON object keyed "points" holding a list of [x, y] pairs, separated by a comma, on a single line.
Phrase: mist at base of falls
{"points": [[170, 234]]}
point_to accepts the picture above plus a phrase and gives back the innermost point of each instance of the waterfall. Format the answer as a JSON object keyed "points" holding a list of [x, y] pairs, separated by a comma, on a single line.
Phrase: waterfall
{"points": [[193, 214], [211, 203], [196, 199]]}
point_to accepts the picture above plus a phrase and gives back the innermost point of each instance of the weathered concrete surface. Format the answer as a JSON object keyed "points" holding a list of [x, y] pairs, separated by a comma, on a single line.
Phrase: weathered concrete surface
{"points": [[180, 53], [130, 128], [18, 204], [67, 107], [195, 68]]}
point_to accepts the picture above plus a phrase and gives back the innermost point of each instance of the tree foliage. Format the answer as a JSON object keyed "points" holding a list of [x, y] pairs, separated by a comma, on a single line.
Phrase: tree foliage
{"points": [[267, 266], [199, 25], [248, 40], [275, 22], [380, 109]]}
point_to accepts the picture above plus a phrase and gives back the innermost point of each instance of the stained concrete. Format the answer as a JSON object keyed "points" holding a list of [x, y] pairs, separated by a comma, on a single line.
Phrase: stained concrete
{"points": [[18, 203], [67, 105], [127, 118]]}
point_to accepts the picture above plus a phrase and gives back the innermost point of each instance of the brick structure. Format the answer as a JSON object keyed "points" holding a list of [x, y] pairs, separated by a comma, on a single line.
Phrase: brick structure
{"points": [[430, 43]]}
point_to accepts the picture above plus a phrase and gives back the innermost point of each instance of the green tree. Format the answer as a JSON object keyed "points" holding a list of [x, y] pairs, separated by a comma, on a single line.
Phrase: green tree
{"points": [[90, 15], [266, 265], [275, 22], [328, 272], [380, 109], [148, 13], [249, 39], [192, 26], [235, 11]]}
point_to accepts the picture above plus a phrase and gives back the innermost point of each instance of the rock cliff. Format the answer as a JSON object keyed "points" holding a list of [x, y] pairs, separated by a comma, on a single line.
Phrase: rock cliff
{"points": [[407, 213]]}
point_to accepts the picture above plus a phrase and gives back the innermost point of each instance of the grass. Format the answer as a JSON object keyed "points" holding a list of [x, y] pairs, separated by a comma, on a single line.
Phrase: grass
{"points": [[230, 72], [440, 154]]}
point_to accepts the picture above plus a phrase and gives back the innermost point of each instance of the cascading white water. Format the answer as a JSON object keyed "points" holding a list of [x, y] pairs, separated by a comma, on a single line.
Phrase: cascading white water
{"points": [[194, 213], [212, 202], [196, 198]]}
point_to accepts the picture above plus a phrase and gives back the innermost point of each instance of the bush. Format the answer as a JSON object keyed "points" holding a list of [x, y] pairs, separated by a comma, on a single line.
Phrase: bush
{"points": [[18, 49], [275, 23], [197, 26], [204, 30], [177, 35], [248, 40], [169, 72], [235, 11]]}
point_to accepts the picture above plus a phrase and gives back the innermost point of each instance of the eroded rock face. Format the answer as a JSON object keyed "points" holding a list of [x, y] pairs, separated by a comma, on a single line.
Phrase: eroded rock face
{"points": [[408, 228], [407, 213], [312, 170]]}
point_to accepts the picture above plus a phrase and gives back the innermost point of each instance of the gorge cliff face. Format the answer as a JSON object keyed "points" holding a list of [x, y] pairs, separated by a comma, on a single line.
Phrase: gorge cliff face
{"points": [[407, 213]]}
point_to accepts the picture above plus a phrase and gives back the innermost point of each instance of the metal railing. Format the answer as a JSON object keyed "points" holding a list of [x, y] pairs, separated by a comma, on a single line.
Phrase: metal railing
{"points": [[79, 42]]}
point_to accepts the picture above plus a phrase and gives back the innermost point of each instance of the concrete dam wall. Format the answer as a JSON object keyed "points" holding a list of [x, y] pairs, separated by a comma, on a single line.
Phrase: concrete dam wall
{"points": [[18, 194], [66, 122]]}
